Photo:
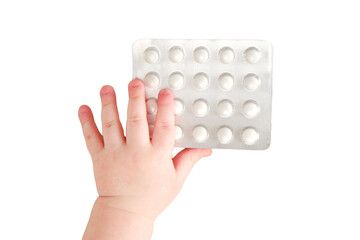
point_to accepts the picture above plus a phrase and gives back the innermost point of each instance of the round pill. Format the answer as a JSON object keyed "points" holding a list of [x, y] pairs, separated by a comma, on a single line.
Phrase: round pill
{"points": [[201, 54], [200, 107], [252, 55], [152, 80], [200, 134], [250, 109], [178, 132], [225, 108], [151, 55], [201, 81], [176, 54], [226, 81], [176, 80], [226, 55], [224, 135], [179, 106], [151, 130], [251, 82], [250, 136], [151, 106]]}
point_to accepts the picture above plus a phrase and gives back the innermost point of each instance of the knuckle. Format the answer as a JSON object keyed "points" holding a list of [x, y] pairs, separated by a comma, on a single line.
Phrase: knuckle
{"points": [[136, 96], [192, 159], [109, 124], [165, 124], [107, 104], [88, 136], [136, 118]]}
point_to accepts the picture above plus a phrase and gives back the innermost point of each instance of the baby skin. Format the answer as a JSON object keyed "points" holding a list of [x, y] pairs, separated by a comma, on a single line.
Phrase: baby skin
{"points": [[136, 176]]}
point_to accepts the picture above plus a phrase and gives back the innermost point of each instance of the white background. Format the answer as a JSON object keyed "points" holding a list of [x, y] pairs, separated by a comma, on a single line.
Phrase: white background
{"points": [[55, 56]]}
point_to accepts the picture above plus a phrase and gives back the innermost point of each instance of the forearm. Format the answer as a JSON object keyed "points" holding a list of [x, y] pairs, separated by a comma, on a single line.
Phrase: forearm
{"points": [[110, 223]]}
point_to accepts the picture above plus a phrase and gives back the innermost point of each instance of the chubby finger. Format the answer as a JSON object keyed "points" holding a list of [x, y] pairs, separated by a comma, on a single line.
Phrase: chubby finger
{"points": [[186, 159], [137, 130], [164, 129], [111, 126], [93, 138]]}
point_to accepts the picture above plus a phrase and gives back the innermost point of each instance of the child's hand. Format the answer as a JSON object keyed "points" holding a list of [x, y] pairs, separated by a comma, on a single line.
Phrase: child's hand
{"points": [[135, 175]]}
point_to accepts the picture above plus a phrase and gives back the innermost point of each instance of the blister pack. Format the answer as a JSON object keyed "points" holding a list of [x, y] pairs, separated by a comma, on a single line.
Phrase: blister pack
{"points": [[222, 89]]}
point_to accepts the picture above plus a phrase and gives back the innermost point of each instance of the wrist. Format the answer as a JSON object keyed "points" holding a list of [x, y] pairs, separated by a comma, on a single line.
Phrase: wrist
{"points": [[108, 221]]}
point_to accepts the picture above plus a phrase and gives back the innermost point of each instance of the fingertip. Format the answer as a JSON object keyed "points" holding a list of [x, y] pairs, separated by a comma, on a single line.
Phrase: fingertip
{"points": [[136, 88], [207, 152], [83, 111], [83, 108], [165, 97], [107, 95], [106, 89], [166, 93], [135, 83]]}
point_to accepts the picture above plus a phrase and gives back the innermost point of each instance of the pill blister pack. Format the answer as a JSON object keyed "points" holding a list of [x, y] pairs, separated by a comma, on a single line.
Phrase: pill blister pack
{"points": [[222, 89]]}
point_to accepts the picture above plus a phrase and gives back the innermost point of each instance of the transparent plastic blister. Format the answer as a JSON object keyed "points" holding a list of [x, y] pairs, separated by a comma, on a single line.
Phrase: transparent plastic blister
{"points": [[222, 89]]}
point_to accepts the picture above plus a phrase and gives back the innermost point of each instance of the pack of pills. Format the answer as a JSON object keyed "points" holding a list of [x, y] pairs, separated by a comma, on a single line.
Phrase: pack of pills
{"points": [[222, 89]]}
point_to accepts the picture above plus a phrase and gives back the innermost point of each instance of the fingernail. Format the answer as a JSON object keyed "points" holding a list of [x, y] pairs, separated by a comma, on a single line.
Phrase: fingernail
{"points": [[164, 92], [106, 90], [82, 109], [135, 83]]}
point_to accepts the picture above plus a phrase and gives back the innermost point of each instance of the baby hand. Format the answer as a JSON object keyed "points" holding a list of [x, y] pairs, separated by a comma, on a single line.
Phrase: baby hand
{"points": [[136, 174]]}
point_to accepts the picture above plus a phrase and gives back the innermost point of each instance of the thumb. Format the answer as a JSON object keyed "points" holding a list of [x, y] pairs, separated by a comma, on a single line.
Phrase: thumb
{"points": [[186, 159]]}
